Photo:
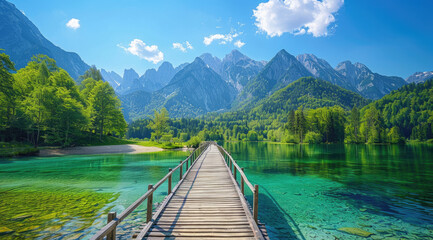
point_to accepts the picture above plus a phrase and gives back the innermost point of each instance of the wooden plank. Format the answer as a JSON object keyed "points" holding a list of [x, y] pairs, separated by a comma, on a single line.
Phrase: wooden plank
{"points": [[208, 234], [200, 238], [206, 204], [168, 231]]}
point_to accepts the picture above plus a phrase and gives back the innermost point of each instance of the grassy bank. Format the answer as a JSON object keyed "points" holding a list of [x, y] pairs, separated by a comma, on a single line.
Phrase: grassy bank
{"points": [[12, 149], [164, 145]]}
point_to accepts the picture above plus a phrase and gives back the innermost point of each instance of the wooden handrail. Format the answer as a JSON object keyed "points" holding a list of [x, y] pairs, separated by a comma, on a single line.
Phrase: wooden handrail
{"points": [[241, 172], [109, 230], [254, 189]]}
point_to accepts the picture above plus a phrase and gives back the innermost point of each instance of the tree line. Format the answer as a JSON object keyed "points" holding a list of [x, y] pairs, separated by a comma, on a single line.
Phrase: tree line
{"points": [[404, 114], [42, 104]]}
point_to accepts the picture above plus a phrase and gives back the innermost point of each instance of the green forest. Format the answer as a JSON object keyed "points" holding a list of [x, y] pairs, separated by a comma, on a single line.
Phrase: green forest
{"points": [[42, 105], [404, 114]]}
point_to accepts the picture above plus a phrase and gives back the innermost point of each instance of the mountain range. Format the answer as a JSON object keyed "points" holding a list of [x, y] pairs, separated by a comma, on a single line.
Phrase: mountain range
{"points": [[252, 81], [21, 40], [209, 83], [419, 77], [152, 80]]}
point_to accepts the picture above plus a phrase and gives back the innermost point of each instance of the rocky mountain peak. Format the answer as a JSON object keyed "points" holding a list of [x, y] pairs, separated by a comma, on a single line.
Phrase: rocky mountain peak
{"points": [[235, 56], [130, 74], [21, 40]]}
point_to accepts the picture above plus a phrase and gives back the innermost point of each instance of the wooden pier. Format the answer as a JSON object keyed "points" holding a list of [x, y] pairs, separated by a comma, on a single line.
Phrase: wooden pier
{"points": [[207, 203]]}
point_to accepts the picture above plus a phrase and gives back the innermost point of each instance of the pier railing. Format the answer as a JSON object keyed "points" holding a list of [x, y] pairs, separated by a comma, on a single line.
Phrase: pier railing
{"points": [[109, 230], [234, 168]]}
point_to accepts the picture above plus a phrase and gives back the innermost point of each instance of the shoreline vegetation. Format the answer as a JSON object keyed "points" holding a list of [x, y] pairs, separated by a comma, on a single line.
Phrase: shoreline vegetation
{"points": [[111, 146], [43, 107], [130, 147]]}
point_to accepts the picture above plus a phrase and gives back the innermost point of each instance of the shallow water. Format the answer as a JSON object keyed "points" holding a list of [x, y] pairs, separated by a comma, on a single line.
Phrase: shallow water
{"points": [[69, 197], [311, 191], [306, 192]]}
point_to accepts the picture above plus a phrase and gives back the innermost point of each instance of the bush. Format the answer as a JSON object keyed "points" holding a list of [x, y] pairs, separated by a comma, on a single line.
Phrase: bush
{"points": [[166, 137], [252, 136], [289, 138], [184, 137], [313, 137], [395, 137], [194, 142]]}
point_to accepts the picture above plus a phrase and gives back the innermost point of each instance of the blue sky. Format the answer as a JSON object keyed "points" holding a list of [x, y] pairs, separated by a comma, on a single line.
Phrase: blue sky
{"points": [[392, 37]]}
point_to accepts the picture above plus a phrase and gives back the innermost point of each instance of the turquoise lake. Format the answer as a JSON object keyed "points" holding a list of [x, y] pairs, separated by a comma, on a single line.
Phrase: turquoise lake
{"points": [[306, 192]]}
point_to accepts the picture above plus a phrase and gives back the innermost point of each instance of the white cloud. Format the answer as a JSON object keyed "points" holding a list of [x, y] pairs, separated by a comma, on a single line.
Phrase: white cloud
{"points": [[143, 51], [73, 23], [181, 47], [296, 16], [222, 38], [188, 45], [239, 43]]}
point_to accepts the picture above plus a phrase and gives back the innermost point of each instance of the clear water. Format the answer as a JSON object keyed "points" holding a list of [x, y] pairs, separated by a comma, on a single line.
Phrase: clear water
{"points": [[311, 191], [306, 192], [69, 197]]}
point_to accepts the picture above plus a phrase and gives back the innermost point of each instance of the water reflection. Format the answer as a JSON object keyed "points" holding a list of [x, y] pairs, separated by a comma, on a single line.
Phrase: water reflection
{"points": [[389, 180]]}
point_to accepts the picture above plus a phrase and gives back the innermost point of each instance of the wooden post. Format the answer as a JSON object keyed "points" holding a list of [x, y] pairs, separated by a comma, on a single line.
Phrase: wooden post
{"points": [[256, 203], [242, 183], [235, 173], [112, 234], [169, 181], [187, 165], [231, 165], [149, 204], [181, 170]]}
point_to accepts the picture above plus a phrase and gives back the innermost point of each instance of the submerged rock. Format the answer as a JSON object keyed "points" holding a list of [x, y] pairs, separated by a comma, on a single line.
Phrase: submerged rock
{"points": [[376, 237], [364, 225], [27, 229], [20, 217], [5, 230], [54, 228], [355, 231]]}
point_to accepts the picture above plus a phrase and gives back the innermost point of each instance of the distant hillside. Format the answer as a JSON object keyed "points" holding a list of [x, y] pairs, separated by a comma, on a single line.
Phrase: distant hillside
{"points": [[419, 77], [368, 84], [409, 108], [193, 91], [323, 70], [278, 73], [134, 104], [21, 40], [310, 93]]}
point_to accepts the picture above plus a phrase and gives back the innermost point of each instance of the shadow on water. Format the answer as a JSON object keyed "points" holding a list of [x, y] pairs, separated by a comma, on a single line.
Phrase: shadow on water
{"points": [[279, 224]]}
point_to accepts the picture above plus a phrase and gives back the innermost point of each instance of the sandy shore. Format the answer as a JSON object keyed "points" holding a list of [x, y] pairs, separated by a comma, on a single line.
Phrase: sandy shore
{"points": [[111, 149]]}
